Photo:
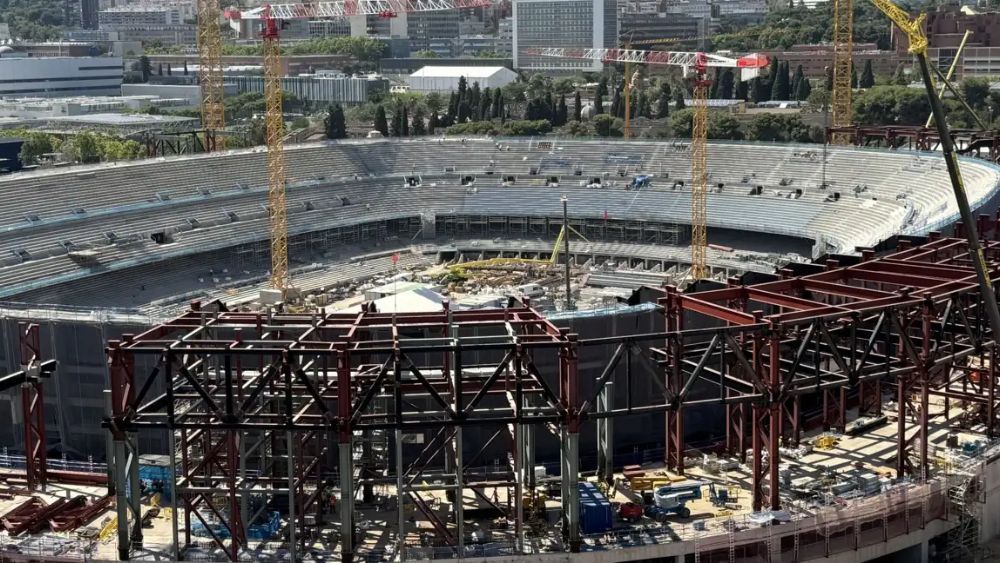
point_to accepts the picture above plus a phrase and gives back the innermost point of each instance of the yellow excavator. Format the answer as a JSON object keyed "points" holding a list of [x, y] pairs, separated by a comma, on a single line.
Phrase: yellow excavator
{"points": [[501, 263]]}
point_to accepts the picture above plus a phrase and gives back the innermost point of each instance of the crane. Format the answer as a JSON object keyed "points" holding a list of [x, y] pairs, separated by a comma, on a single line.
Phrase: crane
{"points": [[843, 52], [696, 63], [914, 30], [213, 118], [271, 17]]}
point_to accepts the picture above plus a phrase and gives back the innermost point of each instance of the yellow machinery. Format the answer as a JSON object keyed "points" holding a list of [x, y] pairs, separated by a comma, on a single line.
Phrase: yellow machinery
{"points": [[951, 72], [213, 117], [843, 51], [501, 262], [699, 173], [275, 124]]}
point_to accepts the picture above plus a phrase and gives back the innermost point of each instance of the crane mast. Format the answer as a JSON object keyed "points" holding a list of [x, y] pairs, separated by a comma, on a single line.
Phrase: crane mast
{"points": [[213, 118], [275, 129], [699, 174], [698, 63], [843, 52]]}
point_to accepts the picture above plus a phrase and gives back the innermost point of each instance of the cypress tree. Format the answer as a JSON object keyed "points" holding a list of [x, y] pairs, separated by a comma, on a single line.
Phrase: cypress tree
{"points": [[867, 76], [598, 102], [380, 122], [432, 123], [562, 112], [577, 107], [679, 99], [726, 85], [663, 102], [802, 94], [405, 123]]}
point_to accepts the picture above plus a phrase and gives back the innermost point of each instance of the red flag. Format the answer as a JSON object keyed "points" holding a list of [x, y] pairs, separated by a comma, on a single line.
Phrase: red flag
{"points": [[395, 257], [605, 214]]}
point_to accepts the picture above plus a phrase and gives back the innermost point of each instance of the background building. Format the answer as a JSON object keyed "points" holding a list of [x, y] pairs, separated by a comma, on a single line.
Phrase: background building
{"points": [[641, 27], [317, 88], [60, 76], [171, 24], [446, 78], [562, 23]]}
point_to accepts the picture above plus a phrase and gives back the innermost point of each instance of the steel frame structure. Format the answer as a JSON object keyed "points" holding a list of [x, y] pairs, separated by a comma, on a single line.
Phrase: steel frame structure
{"points": [[348, 8], [259, 401], [30, 378], [967, 141]]}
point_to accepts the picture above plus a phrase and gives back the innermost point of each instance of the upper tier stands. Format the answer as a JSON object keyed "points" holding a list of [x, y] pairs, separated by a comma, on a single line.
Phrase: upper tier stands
{"points": [[215, 201]]}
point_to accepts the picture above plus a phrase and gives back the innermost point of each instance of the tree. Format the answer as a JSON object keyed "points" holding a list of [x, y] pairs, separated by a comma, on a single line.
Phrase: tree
{"points": [[679, 99], [562, 112], [464, 112], [891, 105], [418, 127], [607, 126], [577, 107], [819, 99], [726, 81], [867, 76], [663, 101], [146, 68], [563, 85], [829, 78], [617, 110], [336, 123], [185, 68], [170, 69], [159, 69], [396, 125], [83, 148], [432, 123], [404, 122], [425, 54], [497, 106], [899, 77], [804, 89], [380, 123], [742, 90], [35, 145], [484, 105], [854, 77], [598, 102], [797, 79], [780, 85], [433, 102], [976, 91]]}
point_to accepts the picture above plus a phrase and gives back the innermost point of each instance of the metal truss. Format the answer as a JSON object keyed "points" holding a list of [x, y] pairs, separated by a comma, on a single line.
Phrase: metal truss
{"points": [[29, 378], [259, 400], [347, 8], [967, 141], [637, 56]]}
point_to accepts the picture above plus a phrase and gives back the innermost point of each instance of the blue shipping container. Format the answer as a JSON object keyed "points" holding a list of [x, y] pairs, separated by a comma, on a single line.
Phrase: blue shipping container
{"points": [[596, 513]]}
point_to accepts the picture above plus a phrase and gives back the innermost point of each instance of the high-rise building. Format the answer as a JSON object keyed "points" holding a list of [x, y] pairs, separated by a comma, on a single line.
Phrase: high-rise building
{"points": [[579, 24], [88, 13]]}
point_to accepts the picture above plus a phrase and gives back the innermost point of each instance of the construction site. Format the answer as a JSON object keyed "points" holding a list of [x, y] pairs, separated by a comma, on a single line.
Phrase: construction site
{"points": [[510, 349]]}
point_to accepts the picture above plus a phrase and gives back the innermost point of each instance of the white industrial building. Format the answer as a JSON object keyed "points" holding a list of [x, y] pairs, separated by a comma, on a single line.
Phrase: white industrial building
{"points": [[48, 77], [446, 78]]}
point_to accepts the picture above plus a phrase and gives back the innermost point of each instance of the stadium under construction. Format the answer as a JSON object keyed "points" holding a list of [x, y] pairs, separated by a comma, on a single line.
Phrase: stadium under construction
{"points": [[472, 370]]}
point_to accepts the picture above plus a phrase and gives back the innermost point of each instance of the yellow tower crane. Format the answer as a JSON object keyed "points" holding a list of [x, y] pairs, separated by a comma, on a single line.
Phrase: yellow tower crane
{"points": [[699, 172], [275, 129], [843, 51], [271, 17], [213, 118], [699, 63]]}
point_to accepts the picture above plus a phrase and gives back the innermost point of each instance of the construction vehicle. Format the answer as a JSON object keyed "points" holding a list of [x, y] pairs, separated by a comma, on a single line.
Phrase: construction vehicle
{"points": [[697, 65], [639, 182], [630, 512], [672, 499]]}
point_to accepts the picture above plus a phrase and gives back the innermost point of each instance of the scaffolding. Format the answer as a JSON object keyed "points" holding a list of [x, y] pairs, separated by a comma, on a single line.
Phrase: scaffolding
{"points": [[266, 406]]}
